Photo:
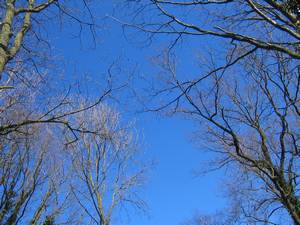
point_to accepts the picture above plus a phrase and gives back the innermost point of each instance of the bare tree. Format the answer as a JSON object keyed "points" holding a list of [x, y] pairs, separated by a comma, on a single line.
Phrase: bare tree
{"points": [[31, 176], [251, 123], [107, 170], [248, 100], [35, 171], [25, 52], [35, 118], [21, 35], [270, 25]]}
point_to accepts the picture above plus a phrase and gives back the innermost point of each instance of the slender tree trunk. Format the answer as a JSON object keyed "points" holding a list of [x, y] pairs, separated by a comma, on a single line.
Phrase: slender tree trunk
{"points": [[5, 34]]}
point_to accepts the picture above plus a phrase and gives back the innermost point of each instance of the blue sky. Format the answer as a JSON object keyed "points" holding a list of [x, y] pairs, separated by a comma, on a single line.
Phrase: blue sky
{"points": [[172, 192]]}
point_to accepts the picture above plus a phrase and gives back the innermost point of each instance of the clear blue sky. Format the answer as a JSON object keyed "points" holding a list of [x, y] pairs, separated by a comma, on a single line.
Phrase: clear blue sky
{"points": [[173, 193]]}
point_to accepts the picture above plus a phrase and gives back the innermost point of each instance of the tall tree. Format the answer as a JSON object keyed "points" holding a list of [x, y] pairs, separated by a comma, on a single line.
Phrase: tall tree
{"points": [[24, 52], [108, 173], [247, 96], [37, 123]]}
